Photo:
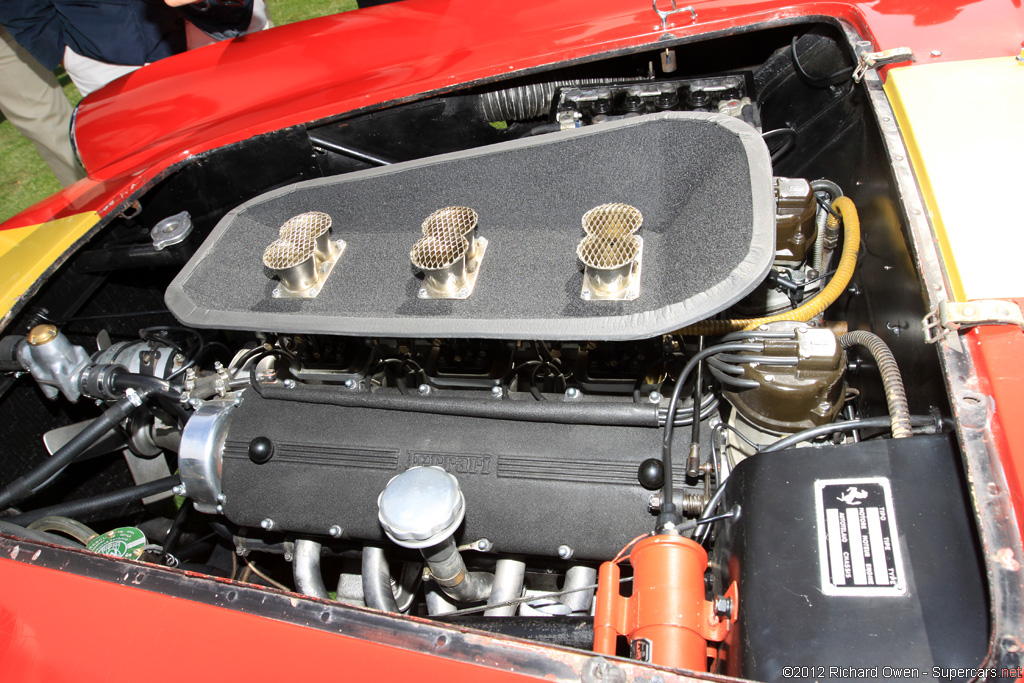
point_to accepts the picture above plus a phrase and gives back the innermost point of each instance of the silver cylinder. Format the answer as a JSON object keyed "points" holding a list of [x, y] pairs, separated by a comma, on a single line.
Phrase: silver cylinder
{"points": [[508, 585], [306, 569], [437, 602], [579, 577], [292, 259], [449, 572], [454, 220], [608, 260], [442, 258], [612, 220], [315, 224]]}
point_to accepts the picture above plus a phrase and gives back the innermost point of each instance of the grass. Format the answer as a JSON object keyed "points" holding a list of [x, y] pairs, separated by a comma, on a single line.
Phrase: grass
{"points": [[25, 177]]}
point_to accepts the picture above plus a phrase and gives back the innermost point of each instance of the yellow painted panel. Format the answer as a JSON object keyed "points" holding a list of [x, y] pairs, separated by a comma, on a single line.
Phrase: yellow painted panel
{"points": [[26, 253], [968, 155]]}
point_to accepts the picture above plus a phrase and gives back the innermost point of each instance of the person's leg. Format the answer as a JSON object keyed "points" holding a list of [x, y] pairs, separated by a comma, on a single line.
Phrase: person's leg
{"points": [[34, 103]]}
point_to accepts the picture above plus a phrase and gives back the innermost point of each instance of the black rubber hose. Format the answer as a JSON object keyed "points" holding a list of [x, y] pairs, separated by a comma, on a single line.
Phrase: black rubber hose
{"points": [[826, 185], [847, 426], [22, 487], [693, 462], [892, 381], [576, 632], [599, 413], [669, 513], [103, 501], [155, 385], [819, 81], [377, 592], [174, 533]]}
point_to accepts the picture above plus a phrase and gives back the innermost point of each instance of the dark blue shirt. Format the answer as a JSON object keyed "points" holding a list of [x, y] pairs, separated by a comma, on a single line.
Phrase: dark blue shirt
{"points": [[127, 32]]}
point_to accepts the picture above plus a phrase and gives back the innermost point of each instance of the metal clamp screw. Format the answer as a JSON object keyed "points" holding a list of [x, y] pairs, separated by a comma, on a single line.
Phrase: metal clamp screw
{"points": [[565, 552], [335, 531], [267, 524]]}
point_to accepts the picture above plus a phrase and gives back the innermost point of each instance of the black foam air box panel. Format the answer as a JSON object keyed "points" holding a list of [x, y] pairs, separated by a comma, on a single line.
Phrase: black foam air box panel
{"points": [[702, 181]]}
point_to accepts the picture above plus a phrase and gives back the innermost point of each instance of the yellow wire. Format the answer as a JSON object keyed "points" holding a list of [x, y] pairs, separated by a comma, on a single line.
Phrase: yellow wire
{"points": [[822, 300]]}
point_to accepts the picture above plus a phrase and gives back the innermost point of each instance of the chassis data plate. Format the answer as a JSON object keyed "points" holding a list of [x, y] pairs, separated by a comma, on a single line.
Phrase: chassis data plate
{"points": [[858, 544]]}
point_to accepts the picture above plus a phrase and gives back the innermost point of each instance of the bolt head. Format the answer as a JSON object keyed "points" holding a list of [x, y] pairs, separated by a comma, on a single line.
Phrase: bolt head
{"points": [[484, 545], [335, 531], [220, 509], [572, 392], [654, 397], [564, 552], [178, 490], [289, 384], [422, 294], [221, 498], [267, 524], [496, 391], [936, 53], [350, 384], [423, 389]]}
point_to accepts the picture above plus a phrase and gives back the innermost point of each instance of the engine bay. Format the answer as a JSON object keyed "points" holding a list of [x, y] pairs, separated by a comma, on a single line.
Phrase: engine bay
{"points": [[622, 356]]}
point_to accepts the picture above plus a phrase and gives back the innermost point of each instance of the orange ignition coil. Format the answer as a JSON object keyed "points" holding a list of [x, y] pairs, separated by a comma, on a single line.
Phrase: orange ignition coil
{"points": [[666, 619]]}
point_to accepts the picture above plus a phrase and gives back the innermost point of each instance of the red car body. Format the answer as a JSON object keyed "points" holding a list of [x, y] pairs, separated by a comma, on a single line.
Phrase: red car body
{"points": [[72, 617]]}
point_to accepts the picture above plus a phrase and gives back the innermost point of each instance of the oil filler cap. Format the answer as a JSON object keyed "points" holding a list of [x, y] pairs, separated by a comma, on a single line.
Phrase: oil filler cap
{"points": [[421, 507]]}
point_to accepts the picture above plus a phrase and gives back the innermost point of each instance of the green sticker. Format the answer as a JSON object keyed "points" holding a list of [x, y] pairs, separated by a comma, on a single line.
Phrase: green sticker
{"points": [[126, 541]]}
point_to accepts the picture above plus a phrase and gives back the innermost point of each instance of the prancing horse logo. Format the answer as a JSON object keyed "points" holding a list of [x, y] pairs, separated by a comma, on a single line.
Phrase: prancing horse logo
{"points": [[853, 496]]}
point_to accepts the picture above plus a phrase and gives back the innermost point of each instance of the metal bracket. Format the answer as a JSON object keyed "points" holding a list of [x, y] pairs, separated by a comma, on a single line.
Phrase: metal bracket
{"points": [[873, 60], [952, 316], [664, 15]]}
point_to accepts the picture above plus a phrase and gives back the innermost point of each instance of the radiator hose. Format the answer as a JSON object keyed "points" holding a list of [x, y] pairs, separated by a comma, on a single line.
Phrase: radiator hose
{"points": [[822, 300], [529, 102], [892, 381]]}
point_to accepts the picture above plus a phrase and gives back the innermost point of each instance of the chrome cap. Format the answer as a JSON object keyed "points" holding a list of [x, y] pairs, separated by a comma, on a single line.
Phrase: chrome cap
{"points": [[421, 507]]}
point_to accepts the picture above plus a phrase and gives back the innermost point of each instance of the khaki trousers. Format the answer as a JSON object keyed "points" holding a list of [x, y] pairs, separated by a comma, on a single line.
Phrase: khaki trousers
{"points": [[33, 101]]}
